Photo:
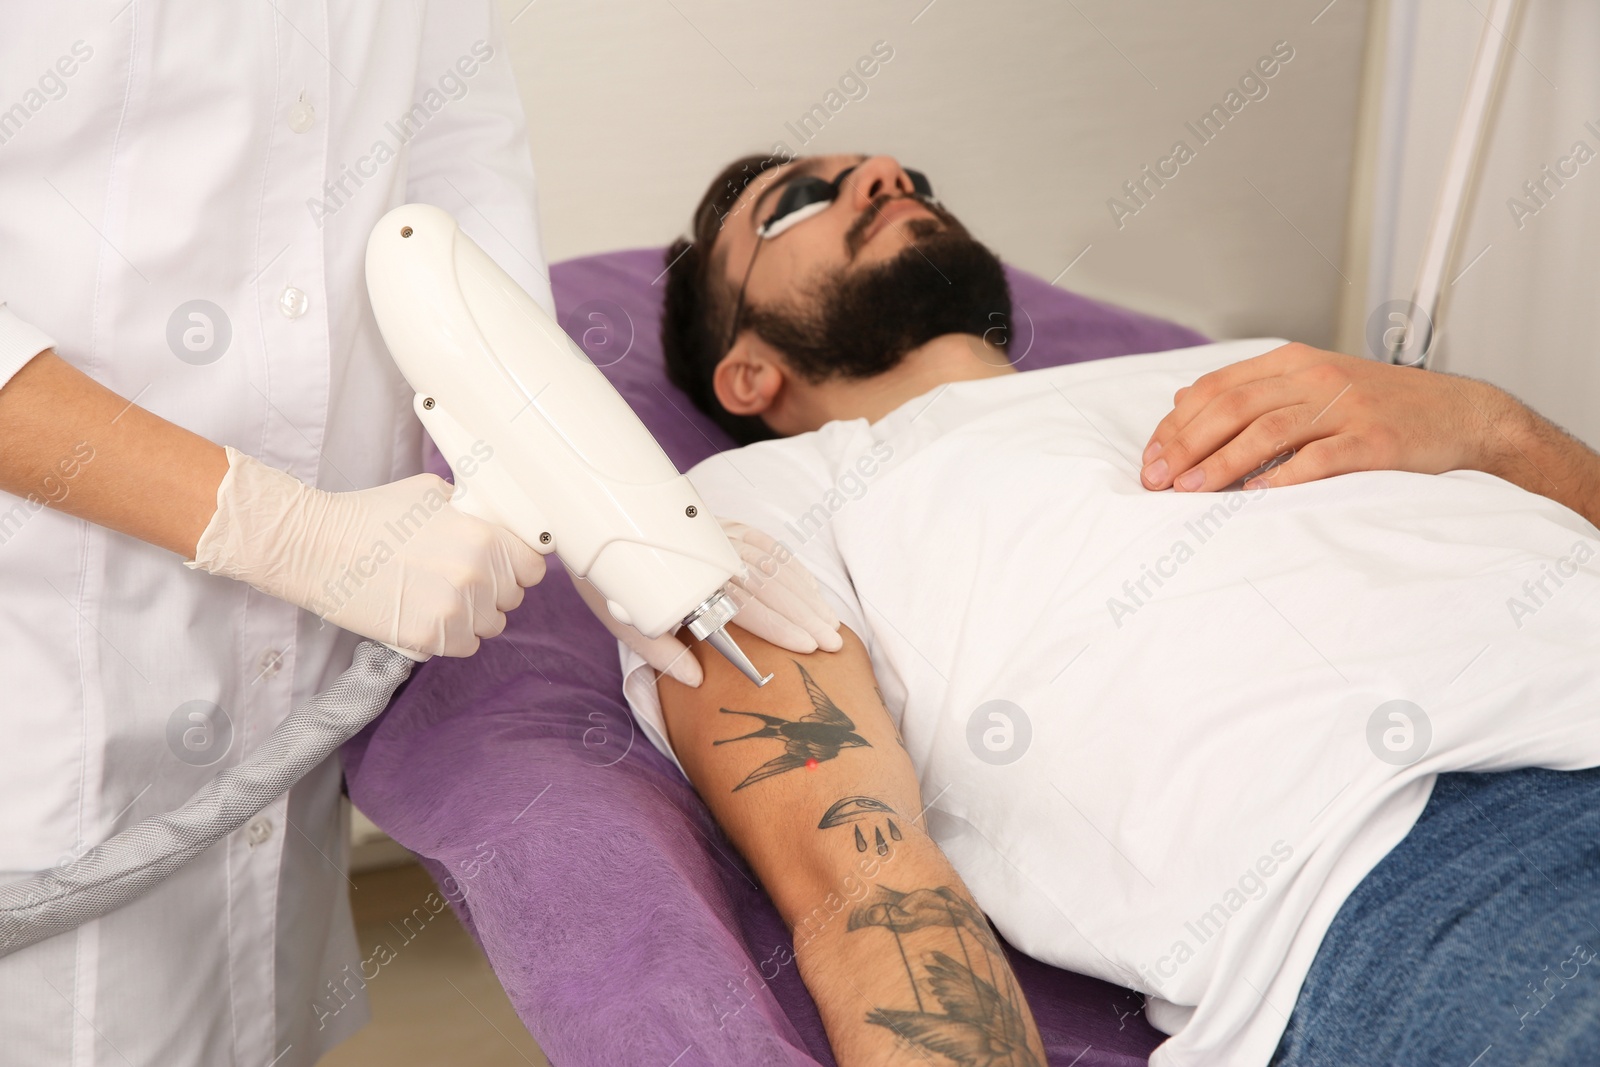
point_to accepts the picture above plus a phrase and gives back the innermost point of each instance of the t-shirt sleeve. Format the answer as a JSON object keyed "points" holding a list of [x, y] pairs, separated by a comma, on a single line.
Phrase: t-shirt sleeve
{"points": [[778, 487]]}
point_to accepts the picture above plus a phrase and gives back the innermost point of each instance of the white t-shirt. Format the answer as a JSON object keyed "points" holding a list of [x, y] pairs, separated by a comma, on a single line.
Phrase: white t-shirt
{"points": [[1155, 729]]}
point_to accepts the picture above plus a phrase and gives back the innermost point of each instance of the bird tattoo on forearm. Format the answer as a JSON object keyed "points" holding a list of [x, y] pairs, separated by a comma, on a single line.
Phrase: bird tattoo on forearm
{"points": [[807, 741]]}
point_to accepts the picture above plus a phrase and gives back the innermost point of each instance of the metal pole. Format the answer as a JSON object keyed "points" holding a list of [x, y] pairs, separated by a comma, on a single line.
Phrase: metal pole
{"points": [[1413, 345]]}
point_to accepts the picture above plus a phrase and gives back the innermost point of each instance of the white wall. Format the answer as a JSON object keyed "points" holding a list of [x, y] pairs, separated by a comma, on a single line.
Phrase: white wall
{"points": [[1027, 115], [1526, 314]]}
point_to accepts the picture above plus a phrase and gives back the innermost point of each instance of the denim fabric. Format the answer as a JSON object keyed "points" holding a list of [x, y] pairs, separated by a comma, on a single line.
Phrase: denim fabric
{"points": [[1474, 943]]}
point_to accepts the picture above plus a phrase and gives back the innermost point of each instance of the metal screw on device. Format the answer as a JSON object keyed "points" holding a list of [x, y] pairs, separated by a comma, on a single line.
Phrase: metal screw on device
{"points": [[427, 403], [544, 538], [691, 511]]}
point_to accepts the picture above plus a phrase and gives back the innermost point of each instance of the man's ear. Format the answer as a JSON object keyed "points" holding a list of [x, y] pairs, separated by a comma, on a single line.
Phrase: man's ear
{"points": [[749, 378]]}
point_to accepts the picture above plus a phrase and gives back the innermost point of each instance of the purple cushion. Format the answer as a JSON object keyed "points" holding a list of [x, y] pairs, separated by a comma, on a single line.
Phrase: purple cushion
{"points": [[621, 922]]}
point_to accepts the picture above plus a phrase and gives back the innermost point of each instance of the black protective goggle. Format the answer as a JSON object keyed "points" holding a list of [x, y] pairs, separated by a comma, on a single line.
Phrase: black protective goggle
{"points": [[809, 195]]}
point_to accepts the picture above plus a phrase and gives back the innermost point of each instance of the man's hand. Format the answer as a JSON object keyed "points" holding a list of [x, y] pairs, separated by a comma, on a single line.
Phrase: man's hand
{"points": [[1297, 414], [1320, 414]]}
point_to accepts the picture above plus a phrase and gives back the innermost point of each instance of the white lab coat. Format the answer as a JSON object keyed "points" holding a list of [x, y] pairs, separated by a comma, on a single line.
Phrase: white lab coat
{"points": [[151, 156]]}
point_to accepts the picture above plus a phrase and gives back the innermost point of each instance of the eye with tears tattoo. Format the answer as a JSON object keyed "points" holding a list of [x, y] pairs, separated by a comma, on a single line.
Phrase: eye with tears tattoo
{"points": [[807, 741], [856, 809]]}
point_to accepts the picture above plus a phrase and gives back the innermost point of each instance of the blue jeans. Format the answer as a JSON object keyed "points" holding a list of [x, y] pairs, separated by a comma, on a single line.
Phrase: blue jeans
{"points": [[1474, 943]]}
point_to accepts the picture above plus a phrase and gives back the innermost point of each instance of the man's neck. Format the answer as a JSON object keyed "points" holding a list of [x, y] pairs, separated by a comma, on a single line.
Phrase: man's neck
{"points": [[953, 357]]}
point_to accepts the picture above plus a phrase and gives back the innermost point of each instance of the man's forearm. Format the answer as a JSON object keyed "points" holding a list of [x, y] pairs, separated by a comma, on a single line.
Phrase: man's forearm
{"points": [[70, 443], [809, 779], [1529, 450]]}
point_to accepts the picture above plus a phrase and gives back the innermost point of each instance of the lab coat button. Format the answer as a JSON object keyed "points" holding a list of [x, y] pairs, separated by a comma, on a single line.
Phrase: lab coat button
{"points": [[293, 303], [259, 831], [270, 663], [301, 115]]}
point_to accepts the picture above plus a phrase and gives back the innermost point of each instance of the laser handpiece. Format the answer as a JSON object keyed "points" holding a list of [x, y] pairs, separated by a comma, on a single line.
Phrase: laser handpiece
{"points": [[539, 440]]}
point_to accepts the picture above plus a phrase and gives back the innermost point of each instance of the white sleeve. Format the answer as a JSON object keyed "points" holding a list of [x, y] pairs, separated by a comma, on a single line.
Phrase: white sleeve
{"points": [[20, 341], [472, 157], [771, 486]]}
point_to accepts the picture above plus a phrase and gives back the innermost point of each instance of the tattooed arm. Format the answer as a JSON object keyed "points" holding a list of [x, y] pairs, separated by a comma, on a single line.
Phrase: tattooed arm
{"points": [[809, 779]]}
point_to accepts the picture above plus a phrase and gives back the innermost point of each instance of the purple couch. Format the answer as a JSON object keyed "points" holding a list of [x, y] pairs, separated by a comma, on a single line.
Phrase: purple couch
{"points": [[621, 922]]}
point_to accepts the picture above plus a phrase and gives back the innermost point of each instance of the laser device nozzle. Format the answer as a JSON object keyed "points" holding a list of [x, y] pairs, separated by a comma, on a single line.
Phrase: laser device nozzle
{"points": [[707, 621]]}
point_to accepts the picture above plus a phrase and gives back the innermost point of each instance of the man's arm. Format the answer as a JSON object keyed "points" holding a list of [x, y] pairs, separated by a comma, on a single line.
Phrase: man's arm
{"points": [[1338, 414], [808, 777]]}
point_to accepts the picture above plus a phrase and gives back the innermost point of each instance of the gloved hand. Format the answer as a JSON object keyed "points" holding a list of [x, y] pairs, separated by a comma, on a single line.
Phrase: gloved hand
{"points": [[396, 562], [778, 602]]}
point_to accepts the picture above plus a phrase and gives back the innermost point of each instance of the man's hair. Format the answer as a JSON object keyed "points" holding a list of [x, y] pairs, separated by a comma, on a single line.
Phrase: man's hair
{"points": [[699, 305]]}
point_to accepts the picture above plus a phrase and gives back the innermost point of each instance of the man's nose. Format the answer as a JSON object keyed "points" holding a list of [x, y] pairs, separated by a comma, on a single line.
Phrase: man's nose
{"points": [[873, 178]]}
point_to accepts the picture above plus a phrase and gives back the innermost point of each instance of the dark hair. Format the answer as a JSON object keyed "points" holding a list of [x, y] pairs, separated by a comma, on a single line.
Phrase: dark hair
{"points": [[698, 307]]}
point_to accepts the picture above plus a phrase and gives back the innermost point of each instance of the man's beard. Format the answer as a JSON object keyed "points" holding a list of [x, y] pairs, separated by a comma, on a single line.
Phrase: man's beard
{"points": [[862, 323]]}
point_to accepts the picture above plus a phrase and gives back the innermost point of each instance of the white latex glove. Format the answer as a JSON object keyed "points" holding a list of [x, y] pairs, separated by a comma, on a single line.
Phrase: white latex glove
{"points": [[396, 562], [777, 598]]}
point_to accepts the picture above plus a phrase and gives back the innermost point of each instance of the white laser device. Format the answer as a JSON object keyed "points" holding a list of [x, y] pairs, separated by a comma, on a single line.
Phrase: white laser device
{"points": [[557, 456]]}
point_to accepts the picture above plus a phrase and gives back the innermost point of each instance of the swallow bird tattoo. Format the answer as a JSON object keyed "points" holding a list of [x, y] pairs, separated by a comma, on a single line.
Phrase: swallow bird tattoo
{"points": [[807, 741]]}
